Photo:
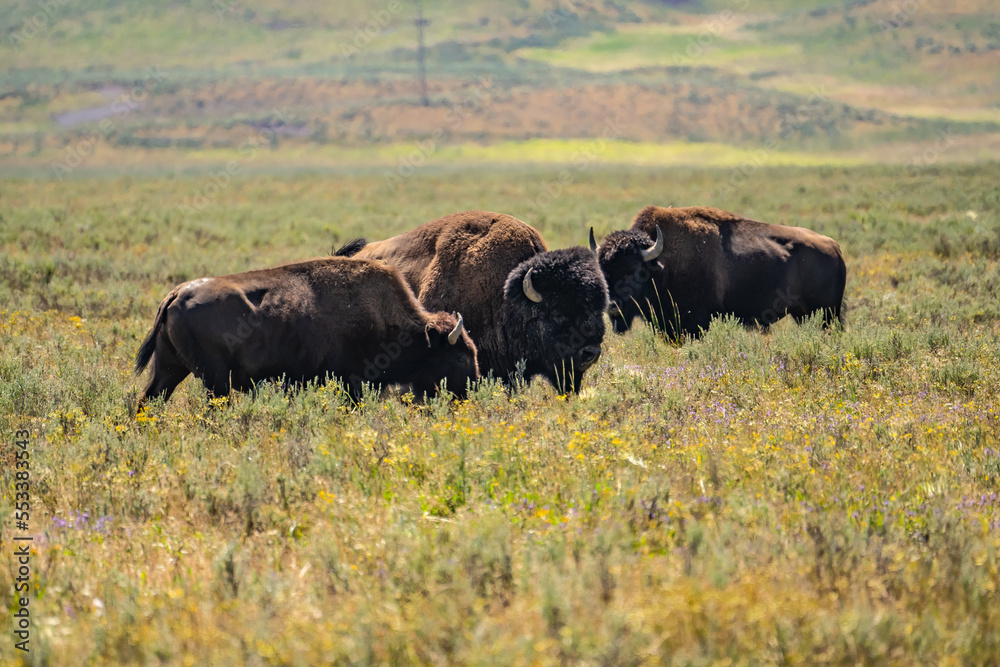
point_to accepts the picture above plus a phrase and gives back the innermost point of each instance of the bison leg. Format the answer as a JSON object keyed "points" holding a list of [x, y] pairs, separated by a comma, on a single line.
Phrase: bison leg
{"points": [[355, 389], [217, 380], [831, 317], [168, 372]]}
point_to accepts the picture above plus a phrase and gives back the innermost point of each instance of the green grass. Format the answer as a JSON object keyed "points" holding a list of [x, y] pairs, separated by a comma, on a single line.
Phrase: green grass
{"points": [[577, 153], [652, 45], [574, 156], [569, 152], [797, 497]]}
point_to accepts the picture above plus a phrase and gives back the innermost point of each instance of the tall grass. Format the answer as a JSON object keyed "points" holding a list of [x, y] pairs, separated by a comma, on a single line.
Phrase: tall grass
{"points": [[794, 497]]}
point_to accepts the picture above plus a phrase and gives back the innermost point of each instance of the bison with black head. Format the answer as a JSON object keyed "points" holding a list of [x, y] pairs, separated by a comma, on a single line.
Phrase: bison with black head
{"points": [[680, 267], [523, 304]]}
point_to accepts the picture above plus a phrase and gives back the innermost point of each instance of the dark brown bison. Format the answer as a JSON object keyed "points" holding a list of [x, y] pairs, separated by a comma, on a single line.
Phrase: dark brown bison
{"points": [[679, 267], [352, 318], [522, 302]]}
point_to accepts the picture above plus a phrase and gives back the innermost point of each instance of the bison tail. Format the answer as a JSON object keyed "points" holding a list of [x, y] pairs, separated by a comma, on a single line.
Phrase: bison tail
{"points": [[148, 346]]}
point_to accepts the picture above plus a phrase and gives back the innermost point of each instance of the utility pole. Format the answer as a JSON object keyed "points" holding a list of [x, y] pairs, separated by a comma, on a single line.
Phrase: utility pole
{"points": [[421, 70]]}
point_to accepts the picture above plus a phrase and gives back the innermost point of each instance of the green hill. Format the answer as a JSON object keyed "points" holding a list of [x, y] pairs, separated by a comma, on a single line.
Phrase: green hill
{"points": [[189, 83]]}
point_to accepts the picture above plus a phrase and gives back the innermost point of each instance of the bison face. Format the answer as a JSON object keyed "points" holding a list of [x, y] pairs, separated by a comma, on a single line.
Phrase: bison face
{"points": [[632, 266], [556, 302], [450, 357], [576, 347]]}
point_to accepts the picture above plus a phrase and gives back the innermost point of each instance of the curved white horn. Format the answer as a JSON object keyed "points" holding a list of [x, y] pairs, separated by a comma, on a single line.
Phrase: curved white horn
{"points": [[593, 244], [529, 289], [652, 252], [457, 331]]}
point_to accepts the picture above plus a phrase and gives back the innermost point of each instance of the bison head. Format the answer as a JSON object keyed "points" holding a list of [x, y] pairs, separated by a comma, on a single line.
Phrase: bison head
{"points": [[633, 267], [451, 356], [555, 303]]}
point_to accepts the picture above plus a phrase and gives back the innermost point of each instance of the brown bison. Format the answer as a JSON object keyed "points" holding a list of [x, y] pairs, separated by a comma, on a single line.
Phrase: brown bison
{"points": [[523, 304], [679, 267], [355, 319]]}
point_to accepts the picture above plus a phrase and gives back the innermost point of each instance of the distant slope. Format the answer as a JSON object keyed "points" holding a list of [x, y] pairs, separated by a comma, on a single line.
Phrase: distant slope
{"points": [[934, 57], [201, 75]]}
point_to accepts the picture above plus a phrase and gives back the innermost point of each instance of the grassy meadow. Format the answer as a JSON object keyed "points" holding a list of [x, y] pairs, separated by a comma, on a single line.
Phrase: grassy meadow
{"points": [[799, 497]]}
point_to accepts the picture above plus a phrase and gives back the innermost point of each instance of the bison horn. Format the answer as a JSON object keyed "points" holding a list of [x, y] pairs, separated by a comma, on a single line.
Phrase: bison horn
{"points": [[457, 331], [593, 244], [652, 252], [529, 289]]}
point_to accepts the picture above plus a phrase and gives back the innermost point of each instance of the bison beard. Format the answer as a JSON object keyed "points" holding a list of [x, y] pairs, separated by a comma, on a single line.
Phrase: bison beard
{"points": [[529, 310], [355, 319], [680, 267]]}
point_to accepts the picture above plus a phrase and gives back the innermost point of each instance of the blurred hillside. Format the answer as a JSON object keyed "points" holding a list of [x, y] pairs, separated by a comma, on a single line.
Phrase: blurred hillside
{"points": [[124, 84]]}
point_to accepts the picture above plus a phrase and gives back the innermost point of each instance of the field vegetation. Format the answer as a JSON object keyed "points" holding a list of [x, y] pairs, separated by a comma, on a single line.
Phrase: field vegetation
{"points": [[796, 497]]}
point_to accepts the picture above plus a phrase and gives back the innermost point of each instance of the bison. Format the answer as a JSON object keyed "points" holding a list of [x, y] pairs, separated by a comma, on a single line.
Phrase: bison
{"points": [[352, 318], [679, 267], [530, 310]]}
